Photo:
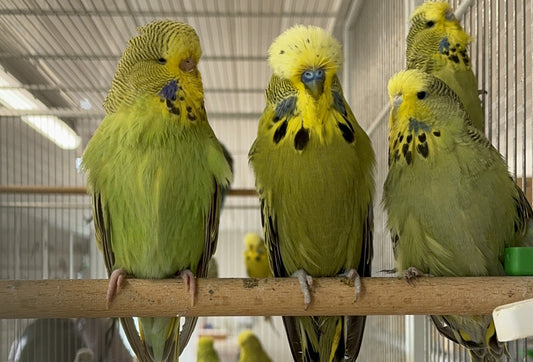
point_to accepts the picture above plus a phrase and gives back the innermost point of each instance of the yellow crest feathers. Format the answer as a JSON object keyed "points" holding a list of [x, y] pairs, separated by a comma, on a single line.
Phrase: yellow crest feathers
{"points": [[412, 81], [433, 10], [301, 47], [407, 82]]}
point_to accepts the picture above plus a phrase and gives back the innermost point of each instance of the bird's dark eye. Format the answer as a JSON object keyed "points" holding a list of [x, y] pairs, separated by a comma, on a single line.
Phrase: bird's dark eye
{"points": [[162, 61], [421, 95], [430, 24]]}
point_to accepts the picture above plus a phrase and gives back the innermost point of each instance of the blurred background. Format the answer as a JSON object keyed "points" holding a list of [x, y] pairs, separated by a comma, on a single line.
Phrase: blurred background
{"points": [[57, 60]]}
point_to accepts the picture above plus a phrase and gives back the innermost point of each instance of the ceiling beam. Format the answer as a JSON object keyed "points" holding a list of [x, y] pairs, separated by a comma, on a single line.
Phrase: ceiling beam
{"points": [[50, 87], [74, 113], [39, 12], [116, 58]]}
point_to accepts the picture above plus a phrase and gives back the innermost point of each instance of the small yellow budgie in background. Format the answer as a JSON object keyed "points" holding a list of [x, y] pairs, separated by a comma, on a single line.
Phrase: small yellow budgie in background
{"points": [[313, 165], [452, 206], [206, 350], [256, 262], [256, 257], [437, 44], [251, 348]]}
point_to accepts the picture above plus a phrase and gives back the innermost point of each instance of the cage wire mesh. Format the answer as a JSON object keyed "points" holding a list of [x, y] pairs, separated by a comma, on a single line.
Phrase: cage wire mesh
{"points": [[64, 55]]}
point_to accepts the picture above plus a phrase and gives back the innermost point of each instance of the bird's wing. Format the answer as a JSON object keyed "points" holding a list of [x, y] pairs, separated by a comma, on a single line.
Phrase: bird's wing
{"points": [[210, 243], [524, 212], [523, 219], [278, 269], [355, 325], [103, 240]]}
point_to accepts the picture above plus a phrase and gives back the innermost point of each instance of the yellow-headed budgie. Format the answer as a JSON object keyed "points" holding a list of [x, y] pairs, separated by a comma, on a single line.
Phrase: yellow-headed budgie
{"points": [[314, 174], [251, 349], [437, 44], [452, 206], [155, 172], [206, 350], [256, 257]]}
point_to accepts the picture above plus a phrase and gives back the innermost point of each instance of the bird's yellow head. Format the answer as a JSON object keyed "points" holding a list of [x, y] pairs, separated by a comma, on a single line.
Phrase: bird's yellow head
{"points": [[435, 29], [252, 240], [308, 56], [415, 94], [248, 340], [161, 60], [423, 108], [205, 342]]}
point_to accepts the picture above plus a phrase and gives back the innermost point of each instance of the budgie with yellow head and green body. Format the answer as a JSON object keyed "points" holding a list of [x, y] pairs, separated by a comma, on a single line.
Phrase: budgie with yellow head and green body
{"points": [[452, 206], [155, 171], [314, 173], [251, 349], [256, 257], [437, 44], [206, 351]]}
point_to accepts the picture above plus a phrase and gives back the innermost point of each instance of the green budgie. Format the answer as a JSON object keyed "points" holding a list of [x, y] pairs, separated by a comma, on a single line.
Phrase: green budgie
{"points": [[437, 44], [251, 349], [452, 206], [155, 171], [314, 174], [206, 351]]}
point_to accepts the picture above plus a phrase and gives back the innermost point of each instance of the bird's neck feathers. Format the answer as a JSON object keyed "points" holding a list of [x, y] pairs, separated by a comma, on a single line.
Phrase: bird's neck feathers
{"points": [[304, 118]]}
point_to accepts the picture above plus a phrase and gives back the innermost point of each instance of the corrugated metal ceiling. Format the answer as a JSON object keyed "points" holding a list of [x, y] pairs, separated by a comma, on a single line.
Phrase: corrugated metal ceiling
{"points": [[65, 52]]}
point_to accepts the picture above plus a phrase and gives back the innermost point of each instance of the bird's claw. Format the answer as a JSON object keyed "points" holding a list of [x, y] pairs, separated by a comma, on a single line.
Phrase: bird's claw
{"points": [[306, 282], [410, 275], [190, 280], [353, 275], [116, 282]]}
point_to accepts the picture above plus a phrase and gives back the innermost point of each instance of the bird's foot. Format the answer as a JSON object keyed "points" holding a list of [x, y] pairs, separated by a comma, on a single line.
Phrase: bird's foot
{"points": [[306, 282], [353, 275], [412, 273], [190, 280], [116, 282]]}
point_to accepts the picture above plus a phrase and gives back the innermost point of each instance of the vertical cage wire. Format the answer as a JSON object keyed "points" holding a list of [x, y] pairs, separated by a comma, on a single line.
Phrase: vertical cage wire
{"points": [[378, 41]]}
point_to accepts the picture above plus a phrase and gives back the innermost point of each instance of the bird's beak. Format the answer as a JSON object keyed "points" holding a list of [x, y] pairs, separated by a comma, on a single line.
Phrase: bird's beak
{"points": [[315, 87], [313, 79], [449, 15], [188, 65], [397, 100]]}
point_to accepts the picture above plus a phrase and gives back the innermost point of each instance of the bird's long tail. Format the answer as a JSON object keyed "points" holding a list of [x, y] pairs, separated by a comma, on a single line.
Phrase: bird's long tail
{"points": [[160, 337]]}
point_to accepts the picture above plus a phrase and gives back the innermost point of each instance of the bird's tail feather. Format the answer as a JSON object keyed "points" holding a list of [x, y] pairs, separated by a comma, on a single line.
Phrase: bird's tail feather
{"points": [[160, 337], [128, 324]]}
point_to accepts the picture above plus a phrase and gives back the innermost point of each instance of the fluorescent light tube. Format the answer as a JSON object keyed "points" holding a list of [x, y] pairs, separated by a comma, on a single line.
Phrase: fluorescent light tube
{"points": [[51, 127]]}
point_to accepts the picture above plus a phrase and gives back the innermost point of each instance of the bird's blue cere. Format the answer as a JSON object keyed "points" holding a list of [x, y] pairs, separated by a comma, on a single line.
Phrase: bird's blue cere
{"points": [[313, 79], [313, 75], [444, 45], [169, 91]]}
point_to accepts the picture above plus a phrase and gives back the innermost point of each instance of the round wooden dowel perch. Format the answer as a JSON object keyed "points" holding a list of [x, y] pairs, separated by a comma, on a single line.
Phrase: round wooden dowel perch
{"points": [[240, 297]]}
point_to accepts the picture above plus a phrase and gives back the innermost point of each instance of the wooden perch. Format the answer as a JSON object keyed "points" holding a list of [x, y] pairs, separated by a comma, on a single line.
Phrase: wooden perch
{"points": [[253, 297]]}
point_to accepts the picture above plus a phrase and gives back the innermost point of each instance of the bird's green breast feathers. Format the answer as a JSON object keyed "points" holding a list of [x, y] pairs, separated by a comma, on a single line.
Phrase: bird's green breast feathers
{"points": [[319, 195], [156, 177], [438, 206]]}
